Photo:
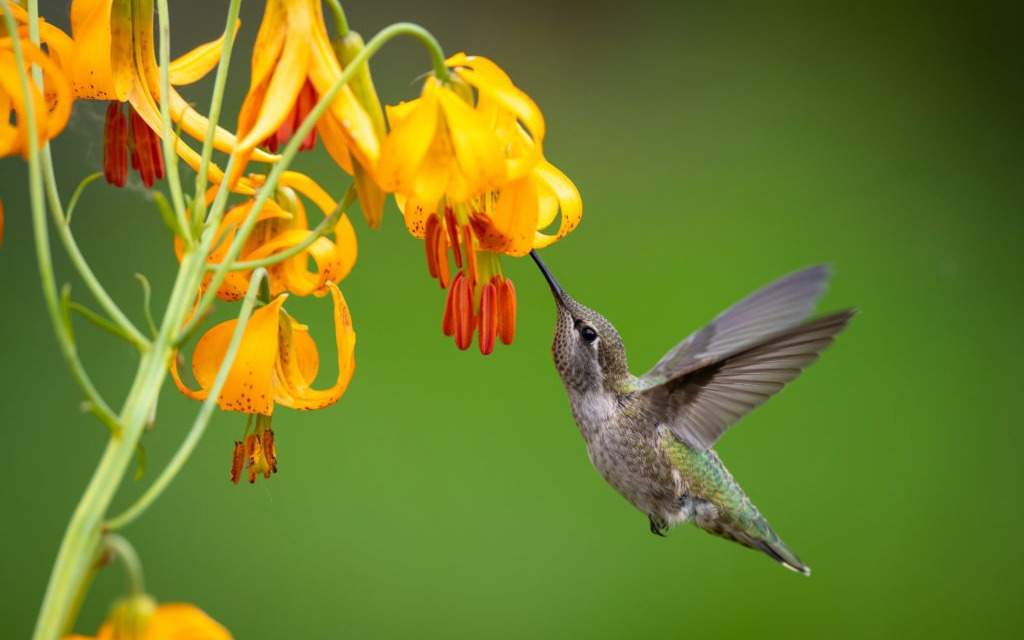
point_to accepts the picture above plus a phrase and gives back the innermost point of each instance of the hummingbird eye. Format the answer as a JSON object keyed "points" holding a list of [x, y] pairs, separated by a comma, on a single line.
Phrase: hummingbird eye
{"points": [[588, 334]]}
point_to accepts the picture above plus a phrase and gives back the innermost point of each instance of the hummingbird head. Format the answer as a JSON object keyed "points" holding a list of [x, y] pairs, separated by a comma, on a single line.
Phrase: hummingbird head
{"points": [[588, 351]]}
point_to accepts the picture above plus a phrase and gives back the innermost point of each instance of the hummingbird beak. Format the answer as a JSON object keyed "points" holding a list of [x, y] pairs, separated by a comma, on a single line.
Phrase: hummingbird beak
{"points": [[556, 288]]}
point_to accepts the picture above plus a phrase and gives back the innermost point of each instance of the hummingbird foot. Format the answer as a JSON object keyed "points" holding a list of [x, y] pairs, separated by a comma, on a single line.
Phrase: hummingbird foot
{"points": [[657, 525]]}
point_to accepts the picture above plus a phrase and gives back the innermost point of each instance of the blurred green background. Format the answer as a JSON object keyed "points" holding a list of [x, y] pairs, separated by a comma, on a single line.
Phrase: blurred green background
{"points": [[717, 146]]}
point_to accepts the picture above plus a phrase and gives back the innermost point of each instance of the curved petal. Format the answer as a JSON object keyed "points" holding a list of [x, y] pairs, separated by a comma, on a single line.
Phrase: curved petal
{"points": [[301, 395], [479, 154], [405, 166], [90, 66], [557, 192], [512, 223], [198, 62], [248, 387]]}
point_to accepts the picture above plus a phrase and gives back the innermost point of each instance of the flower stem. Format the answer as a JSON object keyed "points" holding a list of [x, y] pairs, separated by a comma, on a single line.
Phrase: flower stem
{"points": [[217, 99], [126, 553], [167, 136], [198, 428], [340, 20]]}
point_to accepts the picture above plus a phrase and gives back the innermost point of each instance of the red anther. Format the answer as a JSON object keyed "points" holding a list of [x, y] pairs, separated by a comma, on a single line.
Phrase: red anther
{"points": [[444, 274], [453, 235], [250, 456], [488, 318], [506, 311], [115, 146], [146, 156], [237, 460], [465, 322], [269, 451], [303, 105], [430, 244], [448, 321]]}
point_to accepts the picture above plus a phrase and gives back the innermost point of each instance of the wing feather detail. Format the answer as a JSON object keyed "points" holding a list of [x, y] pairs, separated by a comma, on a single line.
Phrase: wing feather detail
{"points": [[698, 407], [773, 308]]}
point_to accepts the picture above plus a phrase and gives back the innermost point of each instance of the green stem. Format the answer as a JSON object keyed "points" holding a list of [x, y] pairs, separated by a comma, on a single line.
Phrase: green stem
{"points": [[340, 20], [219, 82], [167, 135], [126, 553], [198, 428], [78, 194]]}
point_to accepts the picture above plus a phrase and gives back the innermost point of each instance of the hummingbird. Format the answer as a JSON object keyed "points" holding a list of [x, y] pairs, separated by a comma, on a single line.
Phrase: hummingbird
{"points": [[651, 437]]}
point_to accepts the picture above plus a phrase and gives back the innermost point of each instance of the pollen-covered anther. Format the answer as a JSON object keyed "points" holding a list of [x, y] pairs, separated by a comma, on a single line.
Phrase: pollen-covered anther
{"points": [[506, 310], [430, 233], [115, 146], [441, 255], [237, 461], [269, 451], [462, 310], [488, 317], [144, 146]]}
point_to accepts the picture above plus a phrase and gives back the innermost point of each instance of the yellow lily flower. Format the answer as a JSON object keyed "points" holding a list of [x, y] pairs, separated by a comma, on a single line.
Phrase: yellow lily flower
{"points": [[442, 145], [111, 56], [293, 64], [51, 103], [276, 362], [282, 224], [169, 621], [465, 162]]}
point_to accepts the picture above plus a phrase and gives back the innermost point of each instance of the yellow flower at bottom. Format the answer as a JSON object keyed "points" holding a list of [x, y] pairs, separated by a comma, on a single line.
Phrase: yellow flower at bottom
{"points": [[276, 362], [171, 621]]}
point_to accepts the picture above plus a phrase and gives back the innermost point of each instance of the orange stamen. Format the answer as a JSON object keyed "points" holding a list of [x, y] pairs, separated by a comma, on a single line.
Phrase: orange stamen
{"points": [[488, 318], [237, 459], [441, 255], [115, 146], [269, 451], [448, 321], [467, 241], [430, 244], [250, 456], [465, 324], [506, 311], [453, 235]]}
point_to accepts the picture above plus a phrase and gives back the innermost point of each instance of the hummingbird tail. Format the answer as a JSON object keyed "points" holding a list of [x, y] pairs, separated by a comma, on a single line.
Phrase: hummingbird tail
{"points": [[781, 554]]}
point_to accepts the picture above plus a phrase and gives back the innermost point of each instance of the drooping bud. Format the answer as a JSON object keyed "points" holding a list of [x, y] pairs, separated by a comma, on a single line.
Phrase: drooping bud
{"points": [[130, 616], [371, 196]]}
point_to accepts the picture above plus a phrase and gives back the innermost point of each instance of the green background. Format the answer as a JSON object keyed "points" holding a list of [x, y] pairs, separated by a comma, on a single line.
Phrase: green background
{"points": [[717, 146]]}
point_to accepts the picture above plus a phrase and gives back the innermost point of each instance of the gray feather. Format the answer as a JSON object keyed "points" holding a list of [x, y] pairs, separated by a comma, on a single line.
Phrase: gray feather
{"points": [[769, 310], [699, 406]]}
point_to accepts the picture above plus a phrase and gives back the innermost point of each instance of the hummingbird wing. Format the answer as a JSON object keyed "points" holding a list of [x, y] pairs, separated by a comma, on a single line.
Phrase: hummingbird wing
{"points": [[700, 405], [777, 306]]}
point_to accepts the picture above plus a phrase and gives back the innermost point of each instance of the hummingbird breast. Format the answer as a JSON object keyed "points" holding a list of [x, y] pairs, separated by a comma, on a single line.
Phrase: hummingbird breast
{"points": [[625, 447]]}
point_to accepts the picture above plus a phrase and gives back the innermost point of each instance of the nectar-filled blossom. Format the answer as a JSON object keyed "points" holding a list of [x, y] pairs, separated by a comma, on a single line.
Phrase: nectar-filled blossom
{"points": [[276, 362], [51, 104], [281, 224], [293, 64], [466, 164], [169, 621], [111, 56]]}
